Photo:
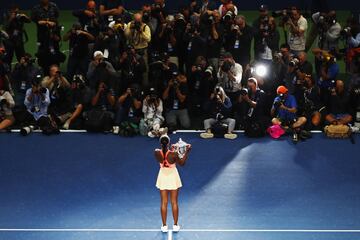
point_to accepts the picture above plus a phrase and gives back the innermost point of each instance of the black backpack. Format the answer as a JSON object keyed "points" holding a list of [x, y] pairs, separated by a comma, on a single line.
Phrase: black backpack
{"points": [[254, 129], [98, 120]]}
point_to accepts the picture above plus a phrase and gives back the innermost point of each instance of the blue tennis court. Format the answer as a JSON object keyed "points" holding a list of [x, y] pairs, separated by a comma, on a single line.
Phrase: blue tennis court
{"points": [[86, 186]]}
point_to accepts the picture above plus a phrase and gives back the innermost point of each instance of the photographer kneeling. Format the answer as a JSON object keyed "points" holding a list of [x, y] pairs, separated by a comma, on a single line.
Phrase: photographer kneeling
{"points": [[153, 118], [252, 109], [219, 125], [284, 112], [37, 101]]}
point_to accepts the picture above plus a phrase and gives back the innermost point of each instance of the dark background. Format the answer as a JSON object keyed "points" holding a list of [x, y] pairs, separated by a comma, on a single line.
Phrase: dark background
{"points": [[174, 4]]}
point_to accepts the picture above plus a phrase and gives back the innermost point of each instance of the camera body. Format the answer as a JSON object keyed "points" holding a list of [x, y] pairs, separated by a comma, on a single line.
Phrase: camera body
{"points": [[137, 26], [280, 101], [244, 91], [3, 101], [345, 32], [294, 62], [226, 66], [229, 15]]}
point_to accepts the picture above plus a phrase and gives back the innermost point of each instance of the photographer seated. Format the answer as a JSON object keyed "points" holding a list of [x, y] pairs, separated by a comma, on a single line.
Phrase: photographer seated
{"points": [[60, 95], [21, 77], [6, 104], [219, 124], [129, 107], [81, 101], [200, 85], [37, 101], [229, 77], [152, 108], [284, 112], [175, 100], [252, 109], [310, 103], [100, 116], [339, 112]]}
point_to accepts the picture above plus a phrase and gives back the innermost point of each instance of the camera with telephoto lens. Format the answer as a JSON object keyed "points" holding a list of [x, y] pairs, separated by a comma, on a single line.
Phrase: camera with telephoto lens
{"points": [[3, 101], [79, 82], [294, 62], [211, 20], [265, 25], [137, 25], [21, 18], [345, 32], [284, 14], [244, 91], [235, 28], [229, 15], [209, 71], [226, 66], [146, 16], [280, 101]]}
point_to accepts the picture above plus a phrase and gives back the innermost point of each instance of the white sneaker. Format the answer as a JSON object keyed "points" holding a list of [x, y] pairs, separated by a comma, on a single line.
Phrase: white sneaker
{"points": [[206, 135], [164, 229], [230, 136], [116, 130], [176, 228], [151, 134]]}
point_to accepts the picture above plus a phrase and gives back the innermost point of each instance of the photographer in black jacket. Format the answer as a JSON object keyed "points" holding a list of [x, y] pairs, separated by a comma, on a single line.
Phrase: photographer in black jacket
{"points": [[238, 41], [14, 27], [79, 40]]}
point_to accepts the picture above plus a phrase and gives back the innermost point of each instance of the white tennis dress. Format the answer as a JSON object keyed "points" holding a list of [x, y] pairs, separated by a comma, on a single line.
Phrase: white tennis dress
{"points": [[168, 177]]}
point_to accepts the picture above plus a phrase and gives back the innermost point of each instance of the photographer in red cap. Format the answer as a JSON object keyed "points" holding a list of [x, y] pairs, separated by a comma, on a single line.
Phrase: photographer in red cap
{"points": [[284, 111]]}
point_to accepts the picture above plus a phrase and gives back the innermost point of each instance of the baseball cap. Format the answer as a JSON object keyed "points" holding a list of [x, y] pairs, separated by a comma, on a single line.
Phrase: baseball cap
{"points": [[281, 90], [98, 53]]}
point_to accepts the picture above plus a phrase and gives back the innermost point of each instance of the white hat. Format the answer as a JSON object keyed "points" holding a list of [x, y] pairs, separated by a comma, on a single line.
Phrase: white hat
{"points": [[112, 24], [98, 53]]}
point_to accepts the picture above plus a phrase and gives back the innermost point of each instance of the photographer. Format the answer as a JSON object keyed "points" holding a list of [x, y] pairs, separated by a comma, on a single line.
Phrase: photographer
{"points": [[45, 16], [252, 115], [328, 29], [138, 35], [229, 77], [310, 104], [6, 104], [88, 18], [133, 68], [4, 73], [284, 111], [78, 50], [152, 108], [297, 26], [297, 69], [167, 39], [97, 67], [21, 77], [215, 38], [339, 106], [129, 107], [238, 41], [14, 27], [327, 72], [266, 36], [81, 98], [110, 10], [194, 41], [37, 101], [219, 123], [200, 83], [60, 95], [159, 11], [162, 70], [175, 102]]}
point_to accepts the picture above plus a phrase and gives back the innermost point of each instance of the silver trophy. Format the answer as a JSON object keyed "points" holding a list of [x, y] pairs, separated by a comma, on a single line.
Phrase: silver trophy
{"points": [[180, 148]]}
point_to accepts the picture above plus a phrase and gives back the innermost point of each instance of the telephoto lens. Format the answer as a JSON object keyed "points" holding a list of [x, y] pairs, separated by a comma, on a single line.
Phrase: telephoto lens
{"points": [[27, 130]]}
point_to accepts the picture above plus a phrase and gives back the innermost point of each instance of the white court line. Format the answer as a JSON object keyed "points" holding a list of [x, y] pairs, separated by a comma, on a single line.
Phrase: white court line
{"points": [[170, 235], [182, 230]]}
